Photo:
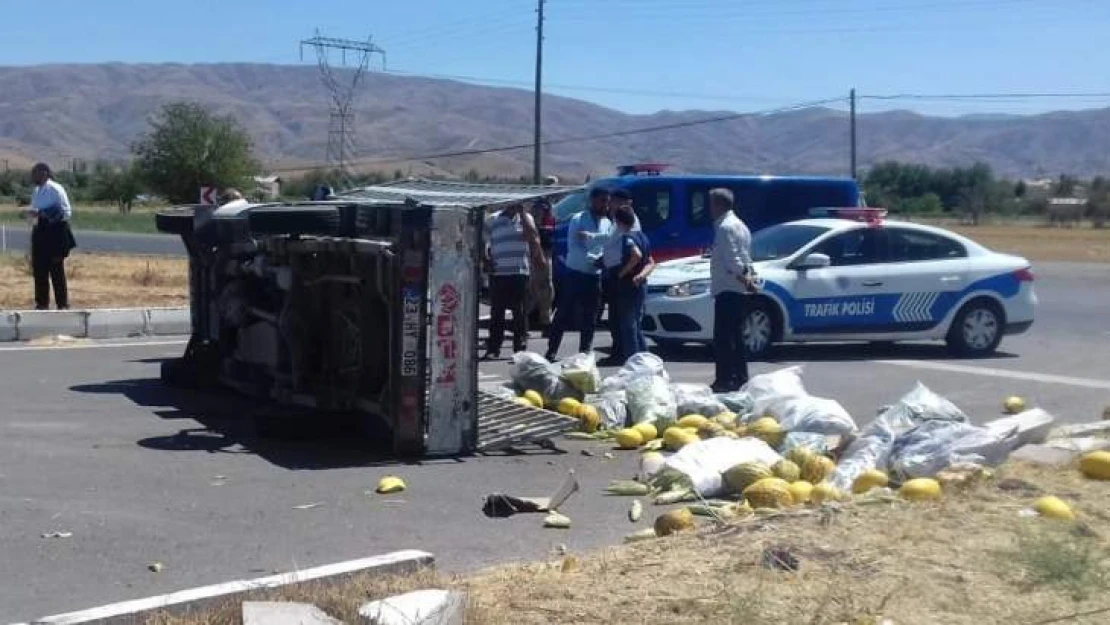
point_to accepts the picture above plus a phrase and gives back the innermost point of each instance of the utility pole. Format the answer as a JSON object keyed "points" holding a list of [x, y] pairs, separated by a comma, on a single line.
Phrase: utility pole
{"points": [[852, 122], [537, 168], [341, 145]]}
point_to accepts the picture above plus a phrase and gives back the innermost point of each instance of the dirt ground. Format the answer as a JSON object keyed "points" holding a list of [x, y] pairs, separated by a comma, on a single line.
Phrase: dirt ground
{"points": [[102, 281], [974, 557]]}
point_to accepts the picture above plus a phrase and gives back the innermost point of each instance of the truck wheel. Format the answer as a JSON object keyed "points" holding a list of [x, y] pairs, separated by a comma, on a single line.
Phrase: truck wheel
{"points": [[174, 220], [320, 220], [176, 374]]}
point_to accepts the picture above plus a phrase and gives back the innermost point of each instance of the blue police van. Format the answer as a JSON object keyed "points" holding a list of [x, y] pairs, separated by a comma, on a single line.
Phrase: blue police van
{"points": [[674, 209]]}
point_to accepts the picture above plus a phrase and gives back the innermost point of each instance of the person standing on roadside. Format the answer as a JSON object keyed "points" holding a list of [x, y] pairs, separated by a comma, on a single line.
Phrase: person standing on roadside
{"points": [[731, 280], [513, 252], [580, 284], [543, 292], [629, 285], [51, 237], [612, 258]]}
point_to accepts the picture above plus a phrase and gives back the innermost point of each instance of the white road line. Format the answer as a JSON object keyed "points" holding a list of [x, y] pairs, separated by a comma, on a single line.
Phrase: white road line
{"points": [[1044, 378], [80, 345]]}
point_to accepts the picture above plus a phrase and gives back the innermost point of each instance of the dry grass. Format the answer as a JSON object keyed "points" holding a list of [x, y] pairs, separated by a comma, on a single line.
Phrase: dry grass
{"points": [[102, 281], [1041, 243], [968, 559]]}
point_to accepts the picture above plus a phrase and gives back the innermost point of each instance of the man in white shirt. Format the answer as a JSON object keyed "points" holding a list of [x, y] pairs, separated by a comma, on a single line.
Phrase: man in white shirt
{"points": [[730, 275], [51, 237]]}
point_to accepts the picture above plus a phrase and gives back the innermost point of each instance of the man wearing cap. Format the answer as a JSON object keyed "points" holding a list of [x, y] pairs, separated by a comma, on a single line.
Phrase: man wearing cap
{"points": [[51, 237], [580, 284]]}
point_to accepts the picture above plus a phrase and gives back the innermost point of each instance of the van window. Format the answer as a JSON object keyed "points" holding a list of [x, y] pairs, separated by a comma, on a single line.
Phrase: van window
{"points": [[652, 203], [747, 197], [569, 206]]}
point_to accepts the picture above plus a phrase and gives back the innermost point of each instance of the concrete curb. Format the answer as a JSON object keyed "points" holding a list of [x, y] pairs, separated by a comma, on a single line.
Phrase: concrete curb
{"points": [[197, 599], [97, 323]]}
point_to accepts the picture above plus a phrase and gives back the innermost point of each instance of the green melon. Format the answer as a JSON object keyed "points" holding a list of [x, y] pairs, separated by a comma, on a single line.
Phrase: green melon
{"points": [[744, 475]]}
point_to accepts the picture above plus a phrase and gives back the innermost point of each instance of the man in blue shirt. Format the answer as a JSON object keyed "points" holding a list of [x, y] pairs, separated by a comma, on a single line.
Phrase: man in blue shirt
{"points": [[628, 287], [580, 284]]}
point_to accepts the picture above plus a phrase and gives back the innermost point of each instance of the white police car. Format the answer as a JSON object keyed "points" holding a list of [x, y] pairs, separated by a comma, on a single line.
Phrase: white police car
{"points": [[852, 276]]}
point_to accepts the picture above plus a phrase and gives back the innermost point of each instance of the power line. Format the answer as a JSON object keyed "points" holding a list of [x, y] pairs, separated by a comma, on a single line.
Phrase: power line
{"points": [[986, 96], [583, 138]]}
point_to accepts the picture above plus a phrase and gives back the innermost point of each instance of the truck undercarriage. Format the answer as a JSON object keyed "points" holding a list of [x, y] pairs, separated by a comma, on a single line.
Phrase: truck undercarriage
{"points": [[366, 305]]}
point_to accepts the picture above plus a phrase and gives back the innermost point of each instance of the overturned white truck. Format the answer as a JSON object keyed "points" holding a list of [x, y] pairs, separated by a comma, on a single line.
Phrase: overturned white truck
{"points": [[364, 305]]}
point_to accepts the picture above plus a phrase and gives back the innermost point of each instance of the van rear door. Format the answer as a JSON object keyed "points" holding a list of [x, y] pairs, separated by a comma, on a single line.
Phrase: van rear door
{"points": [[654, 202]]}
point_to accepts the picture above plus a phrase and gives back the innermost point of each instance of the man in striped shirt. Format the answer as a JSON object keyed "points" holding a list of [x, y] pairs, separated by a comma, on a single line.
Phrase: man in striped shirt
{"points": [[513, 250]]}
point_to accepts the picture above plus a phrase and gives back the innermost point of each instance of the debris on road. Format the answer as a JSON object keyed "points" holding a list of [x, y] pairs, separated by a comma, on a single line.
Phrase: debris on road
{"points": [[284, 613], [57, 535], [1014, 405], [556, 520], [635, 511], [308, 506], [500, 505], [390, 484], [155, 567]]}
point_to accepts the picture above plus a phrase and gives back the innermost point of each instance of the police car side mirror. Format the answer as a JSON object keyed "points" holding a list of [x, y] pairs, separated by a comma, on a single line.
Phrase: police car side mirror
{"points": [[813, 261]]}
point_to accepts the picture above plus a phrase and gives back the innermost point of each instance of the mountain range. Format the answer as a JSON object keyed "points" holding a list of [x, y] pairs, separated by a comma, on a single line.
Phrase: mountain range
{"points": [[96, 111]]}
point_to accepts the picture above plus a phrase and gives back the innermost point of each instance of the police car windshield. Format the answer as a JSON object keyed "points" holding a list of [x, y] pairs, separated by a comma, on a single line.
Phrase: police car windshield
{"points": [[783, 240]]}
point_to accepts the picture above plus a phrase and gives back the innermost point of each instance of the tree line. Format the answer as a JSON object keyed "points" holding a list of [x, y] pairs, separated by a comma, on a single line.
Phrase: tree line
{"points": [[974, 192]]}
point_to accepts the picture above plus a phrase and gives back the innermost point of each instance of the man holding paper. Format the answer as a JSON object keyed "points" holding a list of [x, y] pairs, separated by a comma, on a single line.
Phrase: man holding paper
{"points": [[51, 237]]}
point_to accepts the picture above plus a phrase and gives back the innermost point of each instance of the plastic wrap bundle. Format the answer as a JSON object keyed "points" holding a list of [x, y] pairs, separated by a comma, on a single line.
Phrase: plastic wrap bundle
{"points": [[813, 414], [696, 399], [865, 453], [612, 408], [703, 462], [650, 400], [933, 446], [739, 402], [771, 388], [580, 371], [914, 408], [639, 365], [532, 372]]}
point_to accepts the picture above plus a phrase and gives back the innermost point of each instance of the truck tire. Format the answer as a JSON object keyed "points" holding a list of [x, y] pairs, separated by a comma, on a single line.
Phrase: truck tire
{"points": [[319, 220], [174, 220]]}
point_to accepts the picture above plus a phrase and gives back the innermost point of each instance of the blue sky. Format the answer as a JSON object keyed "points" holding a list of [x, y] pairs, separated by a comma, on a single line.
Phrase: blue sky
{"points": [[634, 55]]}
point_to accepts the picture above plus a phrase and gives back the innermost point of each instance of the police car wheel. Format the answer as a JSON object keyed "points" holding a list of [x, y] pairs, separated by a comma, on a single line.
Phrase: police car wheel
{"points": [[977, 329], [759, 330]]}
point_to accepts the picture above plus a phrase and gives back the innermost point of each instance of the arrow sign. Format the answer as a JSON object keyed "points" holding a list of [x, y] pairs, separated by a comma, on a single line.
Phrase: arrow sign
{"points": [[208, 196]]}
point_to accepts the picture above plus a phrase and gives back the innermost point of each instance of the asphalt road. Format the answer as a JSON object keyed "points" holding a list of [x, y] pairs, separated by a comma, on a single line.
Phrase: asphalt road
{"points": [[91, 444], [18, 239]]}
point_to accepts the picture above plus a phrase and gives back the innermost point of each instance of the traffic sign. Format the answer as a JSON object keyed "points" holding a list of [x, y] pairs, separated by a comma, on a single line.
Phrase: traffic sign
{"points": [[208, 196]]}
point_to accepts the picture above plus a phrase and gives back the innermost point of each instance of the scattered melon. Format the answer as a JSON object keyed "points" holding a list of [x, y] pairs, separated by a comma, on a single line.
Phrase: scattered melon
{"points": [[1095, 465], [1014, 404], [727, 419], [675, 438], [695, 421], [673, 521], [826, 492], [920, 489], [744, 475], [647, 431], [1053, 508], [872, 478], [801, 492], [816, 468], [534, 398], [770, 492], [787, 470], [629, 438], [767, 429], [589, 418], [568, 406]]}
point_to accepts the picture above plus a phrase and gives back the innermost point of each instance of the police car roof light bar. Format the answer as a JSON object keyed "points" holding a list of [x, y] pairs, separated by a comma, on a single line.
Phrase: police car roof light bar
{"points": [[651, 169], [870, 215]]}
